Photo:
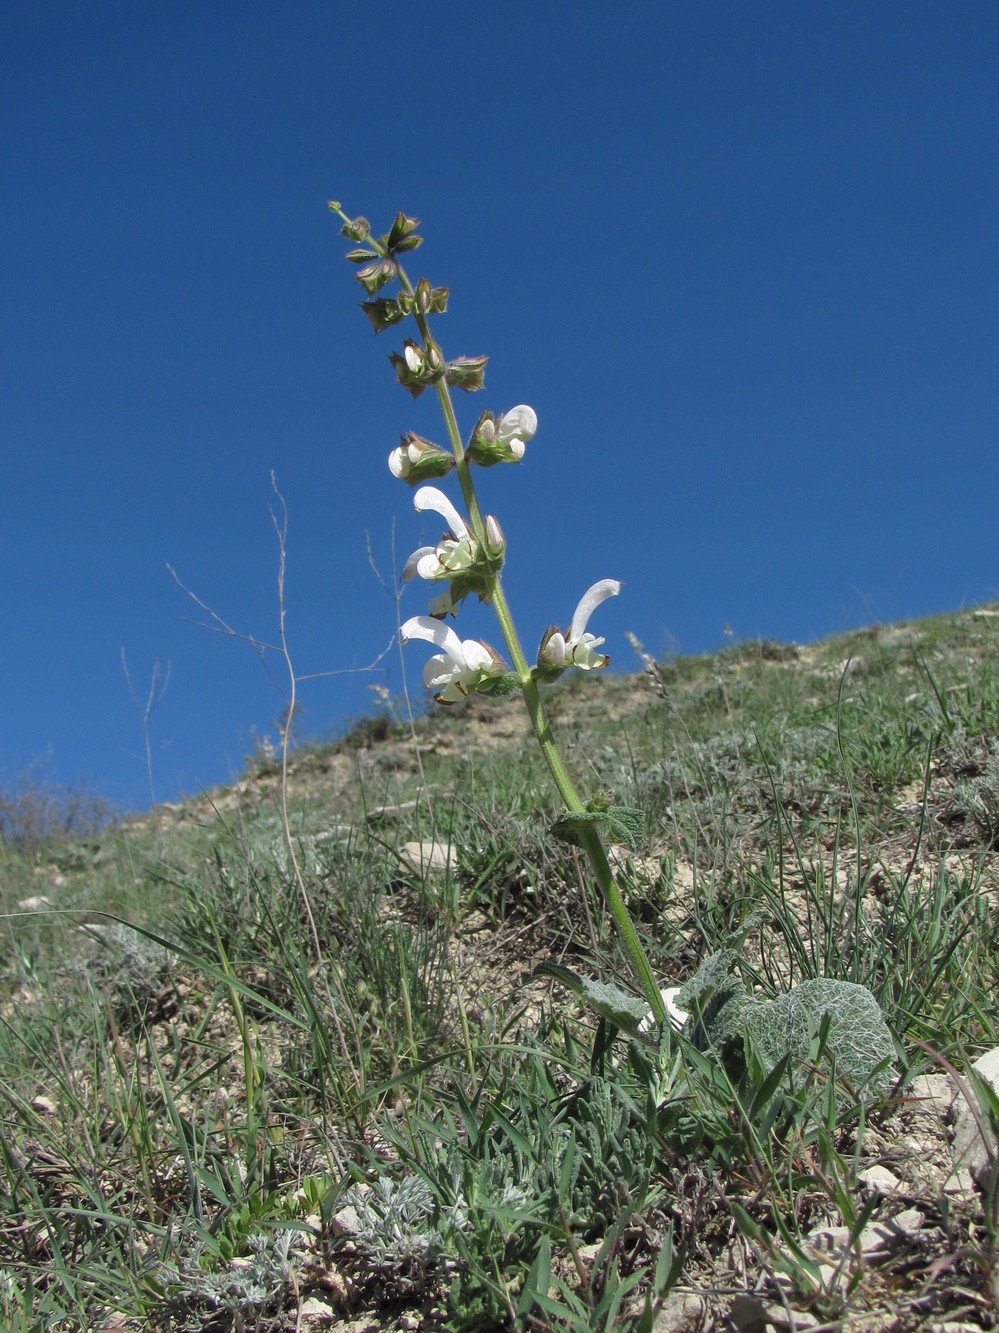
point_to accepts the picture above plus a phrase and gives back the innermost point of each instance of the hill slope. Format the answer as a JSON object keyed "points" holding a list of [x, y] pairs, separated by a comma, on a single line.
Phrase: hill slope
{"points": [[277, 1057]]}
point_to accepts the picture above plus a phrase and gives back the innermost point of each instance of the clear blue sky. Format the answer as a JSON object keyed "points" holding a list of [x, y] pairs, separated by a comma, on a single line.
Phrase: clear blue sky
{"points": [[740, 257]]}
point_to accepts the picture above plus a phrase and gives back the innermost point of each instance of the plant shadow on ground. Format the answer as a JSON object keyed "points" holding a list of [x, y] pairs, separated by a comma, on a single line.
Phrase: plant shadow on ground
{"points": [[207, 1123]]}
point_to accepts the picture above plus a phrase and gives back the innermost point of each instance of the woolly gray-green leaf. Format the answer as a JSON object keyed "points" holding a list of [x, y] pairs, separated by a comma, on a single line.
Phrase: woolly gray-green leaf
{"points": [[623, 1010], [858, 1038], [621, 823]]}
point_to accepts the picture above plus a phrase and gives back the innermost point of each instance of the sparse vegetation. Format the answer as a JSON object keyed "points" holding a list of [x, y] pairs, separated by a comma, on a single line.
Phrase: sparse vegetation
{"points": [[205, 1126]]}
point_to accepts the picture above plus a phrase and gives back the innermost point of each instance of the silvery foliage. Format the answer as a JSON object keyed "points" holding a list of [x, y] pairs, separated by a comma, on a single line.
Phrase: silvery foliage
{"points": [[977, 795], [723, 1016], [857, 1038], [395, 1220], [243, 1285], [130, 958]]}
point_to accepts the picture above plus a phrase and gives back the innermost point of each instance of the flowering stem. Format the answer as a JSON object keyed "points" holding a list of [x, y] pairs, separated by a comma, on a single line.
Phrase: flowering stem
{"points": [[588, 835]]}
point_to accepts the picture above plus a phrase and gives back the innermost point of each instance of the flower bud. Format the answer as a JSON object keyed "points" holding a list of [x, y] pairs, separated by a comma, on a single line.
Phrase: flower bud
{"points": [[418, 366], [401, 236], [467, 372], [424, 296], [383, 313], [495, 541], [414, 357], [359, 230], [551, 653], [417, 460]]}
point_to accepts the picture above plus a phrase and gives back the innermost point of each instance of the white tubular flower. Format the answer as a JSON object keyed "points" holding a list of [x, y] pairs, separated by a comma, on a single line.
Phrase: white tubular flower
{"points": [[503, 440], [515, 428], [460, 668], [454, 553], [417, 460], [578, 647], [676, 1016]]}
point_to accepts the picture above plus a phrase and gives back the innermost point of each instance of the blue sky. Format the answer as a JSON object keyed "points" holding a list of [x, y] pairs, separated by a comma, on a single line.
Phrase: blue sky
{"points": [[741, 258]]}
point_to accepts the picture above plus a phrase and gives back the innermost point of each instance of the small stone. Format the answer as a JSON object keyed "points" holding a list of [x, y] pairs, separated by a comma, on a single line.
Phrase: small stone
{"points": [[881, 1179], [318, 1312], [748, 1313], [959, 1182], [346, 1222], [829, 1239], [43, 1105], [682, 1312], [880, 1237], [970, 1149], [36, 904], [794, 1321], [424, 856], [931, 1093], [408, 1322], [909, 1220]]}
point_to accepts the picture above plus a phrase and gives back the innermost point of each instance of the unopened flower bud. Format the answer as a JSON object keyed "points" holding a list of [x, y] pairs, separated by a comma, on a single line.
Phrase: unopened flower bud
{"points": [[414, 357], [467, 372], [424, 296], [495, 542], [359, 230], [401, 236]]}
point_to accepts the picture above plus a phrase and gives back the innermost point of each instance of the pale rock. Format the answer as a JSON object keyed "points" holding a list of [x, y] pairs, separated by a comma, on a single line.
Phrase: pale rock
{"points": [[748, 1313], [318, 1312], [881, 1179], [424, 856], [36, 904], [931, 1094], [970, 1150], [959, 1182], [43, 1105], [789, 1321], [346, 1222], [682, 1312]]}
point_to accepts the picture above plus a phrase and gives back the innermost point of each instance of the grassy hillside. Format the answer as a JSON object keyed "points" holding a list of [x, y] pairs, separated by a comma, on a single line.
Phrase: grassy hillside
{"points": [[265, 1066]]}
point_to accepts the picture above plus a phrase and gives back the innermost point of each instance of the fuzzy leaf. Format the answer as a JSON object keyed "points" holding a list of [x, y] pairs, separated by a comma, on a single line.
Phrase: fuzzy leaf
{"points": [[858, 1038], [621, 823], [623, 1010]]}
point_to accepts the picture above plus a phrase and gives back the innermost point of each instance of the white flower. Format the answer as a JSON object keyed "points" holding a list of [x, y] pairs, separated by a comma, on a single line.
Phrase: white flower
{"points": [[458, 551], [504, 440], [454, 553], [416, 460], [677, 1016], [578, 648], [460, 668]]}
